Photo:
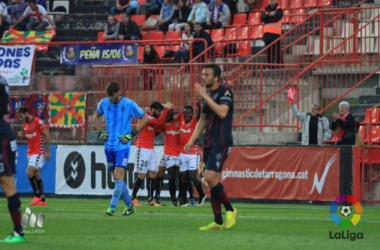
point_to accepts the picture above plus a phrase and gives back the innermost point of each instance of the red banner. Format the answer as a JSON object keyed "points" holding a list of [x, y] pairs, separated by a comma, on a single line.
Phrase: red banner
{"points": [[283, 173]]}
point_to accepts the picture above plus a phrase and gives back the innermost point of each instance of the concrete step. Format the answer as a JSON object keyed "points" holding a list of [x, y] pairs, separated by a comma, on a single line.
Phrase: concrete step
{"points": [[95, 2], [84, 17], [49, 55], [91, 9], [254, 137], [68, 33], [57, 83], [369, 99], [359, 109], [80, 25], [75, 38], [55, 71]]}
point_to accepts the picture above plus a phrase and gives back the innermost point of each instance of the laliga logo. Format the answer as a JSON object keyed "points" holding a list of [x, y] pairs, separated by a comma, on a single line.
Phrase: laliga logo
{"points": [[340, 213]]}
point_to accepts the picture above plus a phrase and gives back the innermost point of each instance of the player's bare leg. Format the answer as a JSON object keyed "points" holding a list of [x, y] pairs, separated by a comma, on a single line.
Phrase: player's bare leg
{"points": [[34, 177], [14, 207], [159, 183]]}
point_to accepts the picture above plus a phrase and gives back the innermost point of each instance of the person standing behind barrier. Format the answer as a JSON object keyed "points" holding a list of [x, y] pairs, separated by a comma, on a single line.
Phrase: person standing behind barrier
{"points": [[343, 124], [272, 31], [316, 130]]}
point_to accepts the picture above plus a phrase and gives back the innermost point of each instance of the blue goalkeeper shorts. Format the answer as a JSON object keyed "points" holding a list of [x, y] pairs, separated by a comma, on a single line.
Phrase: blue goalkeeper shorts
{"points": [[117, 158]]}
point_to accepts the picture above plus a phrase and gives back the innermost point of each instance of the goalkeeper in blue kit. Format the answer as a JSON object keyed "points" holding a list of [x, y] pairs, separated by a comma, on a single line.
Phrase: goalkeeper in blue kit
{"points": [[118, 112]]}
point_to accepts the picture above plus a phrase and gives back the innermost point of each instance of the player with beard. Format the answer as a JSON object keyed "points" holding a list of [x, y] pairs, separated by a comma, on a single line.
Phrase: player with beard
{"points": [[36, 133], [216, 118], [146, 160]]}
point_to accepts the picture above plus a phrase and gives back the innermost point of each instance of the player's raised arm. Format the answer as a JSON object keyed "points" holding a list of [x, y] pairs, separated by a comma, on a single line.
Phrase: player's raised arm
{"points": [[201, 125], [162, 118], [221, 110]]}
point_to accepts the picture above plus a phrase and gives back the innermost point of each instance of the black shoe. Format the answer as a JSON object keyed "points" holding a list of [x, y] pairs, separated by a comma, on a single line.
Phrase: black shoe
{"points": [[174, 203], [202, 200]]}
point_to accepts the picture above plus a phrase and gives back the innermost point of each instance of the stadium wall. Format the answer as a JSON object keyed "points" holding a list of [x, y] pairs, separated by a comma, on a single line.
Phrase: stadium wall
{"points": [[288, 173]]}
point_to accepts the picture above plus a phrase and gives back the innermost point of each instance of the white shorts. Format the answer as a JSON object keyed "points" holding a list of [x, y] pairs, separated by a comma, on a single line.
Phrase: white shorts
{"points": [[146, 160], [188, 162], [36, 161], [169, 161]]}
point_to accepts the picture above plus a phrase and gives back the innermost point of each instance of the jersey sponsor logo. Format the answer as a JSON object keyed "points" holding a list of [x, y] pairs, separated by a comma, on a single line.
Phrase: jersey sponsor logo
{"points": [[186, 131], [74, 170], [150, 128], [172, 132], [34, 134]]}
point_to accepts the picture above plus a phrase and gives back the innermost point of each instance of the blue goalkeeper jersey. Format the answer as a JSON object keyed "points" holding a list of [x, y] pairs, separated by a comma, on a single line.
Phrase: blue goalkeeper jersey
{"points": [[118, 118]]}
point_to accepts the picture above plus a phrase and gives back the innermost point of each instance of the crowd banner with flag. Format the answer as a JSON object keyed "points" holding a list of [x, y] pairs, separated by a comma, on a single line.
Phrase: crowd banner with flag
{"points": [[99, 54], [16, 64], [29, 37], [67, 109]]}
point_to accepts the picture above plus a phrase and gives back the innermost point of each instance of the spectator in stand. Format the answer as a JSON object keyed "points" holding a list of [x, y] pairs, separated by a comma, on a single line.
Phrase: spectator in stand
{"points": [[3, 18], [180, 16], [18, 10], [272, 31], [219, 15], [245, 6], [316, 128], [184, 52], [40, 19], [199, 13], [128, 29], [150, 57], [343, 125], [166, 15], [121, 6], [152, 7], [198, 46], [111, 30]]}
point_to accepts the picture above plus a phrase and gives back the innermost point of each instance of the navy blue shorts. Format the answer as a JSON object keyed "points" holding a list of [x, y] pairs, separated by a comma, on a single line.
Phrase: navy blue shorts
{"points": [[8, 151], [117, 158], [214, 157]]}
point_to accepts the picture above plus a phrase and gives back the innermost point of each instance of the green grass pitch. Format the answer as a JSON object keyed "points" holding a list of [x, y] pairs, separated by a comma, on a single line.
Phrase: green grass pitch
{"points": [[80, 224]]}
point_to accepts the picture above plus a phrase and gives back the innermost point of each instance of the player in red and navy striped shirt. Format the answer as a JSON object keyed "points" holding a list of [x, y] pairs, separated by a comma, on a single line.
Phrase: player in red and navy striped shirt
{"points": [[216, 118]]}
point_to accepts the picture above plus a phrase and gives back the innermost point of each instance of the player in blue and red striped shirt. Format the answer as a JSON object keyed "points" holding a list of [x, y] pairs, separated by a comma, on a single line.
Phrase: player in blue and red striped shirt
{"points": [[216, 118]]}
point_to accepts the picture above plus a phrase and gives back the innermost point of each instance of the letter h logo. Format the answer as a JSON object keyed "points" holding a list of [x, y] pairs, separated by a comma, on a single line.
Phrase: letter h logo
{"points": [[32, 218]]}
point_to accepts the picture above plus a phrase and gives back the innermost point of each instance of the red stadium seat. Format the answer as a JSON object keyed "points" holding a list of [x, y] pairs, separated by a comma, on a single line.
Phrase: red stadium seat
{"points": [[100, 36], [172, 35], [284, 4], [160, 50], [140, 53], [372, 156], [239, 19], [174, 47], [254, 18], [208, 31], [231, 34], [296, 4], [139, 19], [256, 32], [324, 3], [264, 4], [243, 33], [244, 48], [217, 34], [362, 131], [287, 15], [373, 135], [371, 116], [298, 16], [156, 35], [144, 35], [310, 3], [117, 17]]}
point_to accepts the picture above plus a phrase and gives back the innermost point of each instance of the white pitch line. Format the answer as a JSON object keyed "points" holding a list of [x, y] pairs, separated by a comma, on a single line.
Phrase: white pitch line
{"points": [[205, 215]]}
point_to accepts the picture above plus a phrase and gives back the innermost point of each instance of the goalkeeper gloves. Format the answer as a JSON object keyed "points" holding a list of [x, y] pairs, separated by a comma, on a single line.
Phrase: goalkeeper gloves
{"points": [[128, 137], [103, 135]]}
